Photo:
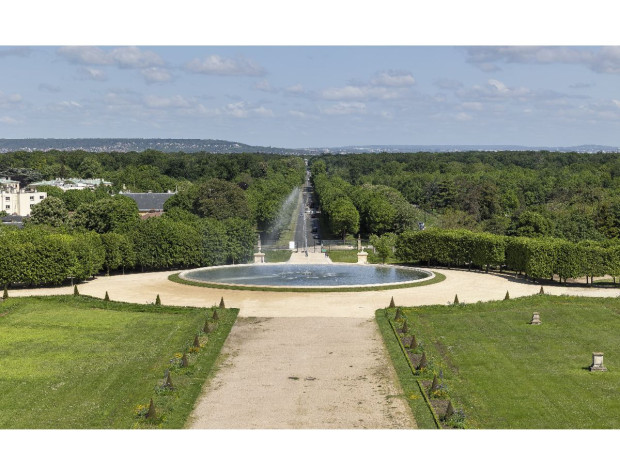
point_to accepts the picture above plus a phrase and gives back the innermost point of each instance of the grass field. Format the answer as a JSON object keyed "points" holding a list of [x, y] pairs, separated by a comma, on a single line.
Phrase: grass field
{"points": [[506, 373], [84, 363], [277, 256]]}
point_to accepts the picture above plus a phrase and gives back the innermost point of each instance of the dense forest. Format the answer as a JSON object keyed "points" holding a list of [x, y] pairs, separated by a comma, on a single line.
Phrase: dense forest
{"points": [[572, 196]]}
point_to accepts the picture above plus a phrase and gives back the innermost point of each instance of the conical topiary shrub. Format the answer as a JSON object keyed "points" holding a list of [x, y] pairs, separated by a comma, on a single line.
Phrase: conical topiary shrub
{"points": [[75, 290], [206, 328], [5, 294], [222, 303], [196, 341], [435, 384], [392, 305], [151, 413], [423, 361], [168, 383], [399, 314], [215, 315], [107, 297], [542, 291], [456, 299], [157, 300], [449, 411], [405, 328], [507, 296], [184, 361], [413, 344]]}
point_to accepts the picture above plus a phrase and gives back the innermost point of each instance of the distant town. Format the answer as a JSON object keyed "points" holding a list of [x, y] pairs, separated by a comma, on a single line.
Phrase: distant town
{"points": [[223, 146]]}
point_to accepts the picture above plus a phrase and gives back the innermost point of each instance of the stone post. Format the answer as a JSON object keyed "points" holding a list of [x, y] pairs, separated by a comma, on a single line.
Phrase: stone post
{"points": [[597, 362], [535, 319]]}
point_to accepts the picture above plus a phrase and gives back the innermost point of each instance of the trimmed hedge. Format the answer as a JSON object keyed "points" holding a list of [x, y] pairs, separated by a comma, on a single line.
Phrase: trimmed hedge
{"points": [[537, 258]]}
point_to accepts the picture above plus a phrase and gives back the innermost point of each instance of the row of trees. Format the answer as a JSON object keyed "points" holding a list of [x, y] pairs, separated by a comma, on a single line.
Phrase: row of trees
{"points": [[537, 258], [370, 209], [40, 255]]}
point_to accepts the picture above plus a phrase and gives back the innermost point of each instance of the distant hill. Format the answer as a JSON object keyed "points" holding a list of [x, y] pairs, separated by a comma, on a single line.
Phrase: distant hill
{"points": [[223, 146]]}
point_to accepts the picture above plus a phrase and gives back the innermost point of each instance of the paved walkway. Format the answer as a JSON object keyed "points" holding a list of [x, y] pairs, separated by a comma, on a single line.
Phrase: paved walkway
{"points": [[312, 257]]}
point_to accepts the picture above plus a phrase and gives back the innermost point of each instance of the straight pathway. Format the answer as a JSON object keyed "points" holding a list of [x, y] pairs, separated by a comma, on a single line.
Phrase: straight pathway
{"points": [[303, 373]]}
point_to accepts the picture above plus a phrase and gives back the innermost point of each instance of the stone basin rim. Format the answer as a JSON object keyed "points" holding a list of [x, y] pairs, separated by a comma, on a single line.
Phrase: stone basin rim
{"points": [[183, 276]]}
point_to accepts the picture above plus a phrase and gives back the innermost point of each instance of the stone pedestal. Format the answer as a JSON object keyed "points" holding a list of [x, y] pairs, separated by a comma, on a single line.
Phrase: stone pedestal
{"points": [[535, 319], [259, 257], [597, 362], [362, 258]]}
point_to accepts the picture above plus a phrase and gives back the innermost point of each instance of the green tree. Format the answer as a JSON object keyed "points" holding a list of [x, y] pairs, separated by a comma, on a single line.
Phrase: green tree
{"points": [[50, 211], [384, 245], [118, 214], [220, 200]]}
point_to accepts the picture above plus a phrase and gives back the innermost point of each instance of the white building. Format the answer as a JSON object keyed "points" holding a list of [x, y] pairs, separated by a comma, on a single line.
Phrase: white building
{"points": [[16, 201], [73, 183]]}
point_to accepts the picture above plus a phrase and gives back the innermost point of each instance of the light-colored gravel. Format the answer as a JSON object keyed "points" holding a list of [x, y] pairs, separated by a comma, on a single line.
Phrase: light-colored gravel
{"points": [[303, 373]]}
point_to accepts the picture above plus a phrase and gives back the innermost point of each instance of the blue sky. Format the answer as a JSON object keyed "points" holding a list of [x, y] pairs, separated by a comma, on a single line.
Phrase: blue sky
{"points": [[307, 96]]}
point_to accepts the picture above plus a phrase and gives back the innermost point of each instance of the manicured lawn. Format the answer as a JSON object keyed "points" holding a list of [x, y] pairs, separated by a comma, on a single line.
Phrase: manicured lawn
{"points": [[83, 363], [276, 256], [506, 373]]}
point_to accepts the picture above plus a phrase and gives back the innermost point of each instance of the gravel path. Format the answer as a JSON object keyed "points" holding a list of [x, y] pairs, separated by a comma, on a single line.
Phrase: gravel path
{"points": [[303, 373]]}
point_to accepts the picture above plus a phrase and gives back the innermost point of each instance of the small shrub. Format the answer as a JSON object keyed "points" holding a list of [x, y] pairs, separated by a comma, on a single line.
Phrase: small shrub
{"points": [[184, 362], [507, 296], [392, 303], [405, 328], [75, 291], [541, 292], [206, 328], [151, 412], [222, 303], [196, 343], [157, 300], [398, 315], [413, 344], [456, 299], [107, 297], [435, 384], [215, 315], [423, 362]]}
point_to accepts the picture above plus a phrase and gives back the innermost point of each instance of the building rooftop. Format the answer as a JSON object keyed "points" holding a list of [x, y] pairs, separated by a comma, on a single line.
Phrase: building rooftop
{"points": [[149, 201]]}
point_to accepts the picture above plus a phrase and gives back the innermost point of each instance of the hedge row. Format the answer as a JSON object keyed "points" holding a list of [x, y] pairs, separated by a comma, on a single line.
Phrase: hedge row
{"points": [[38, 256], [537, 258]]}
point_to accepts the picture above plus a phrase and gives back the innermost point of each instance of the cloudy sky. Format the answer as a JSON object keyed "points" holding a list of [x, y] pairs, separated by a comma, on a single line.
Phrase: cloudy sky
{"points": [[315, 96]]}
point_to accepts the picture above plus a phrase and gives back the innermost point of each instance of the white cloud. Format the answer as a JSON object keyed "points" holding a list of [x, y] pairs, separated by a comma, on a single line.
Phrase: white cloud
{"points": [[9, 99], [477, 106], [359, 93], [600, 60], [462, 116], [393, 79], [297, 89], [92, 74], [159, 102], [222, 66], [244, 110], [155, 74], [134, 57], [8, 120], [264, 86], [123, 57], [345, 108]]}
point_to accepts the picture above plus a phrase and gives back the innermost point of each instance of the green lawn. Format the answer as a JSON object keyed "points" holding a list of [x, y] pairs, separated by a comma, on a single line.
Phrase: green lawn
{"points": [[506, 373], [277, 256], [83, 363]]}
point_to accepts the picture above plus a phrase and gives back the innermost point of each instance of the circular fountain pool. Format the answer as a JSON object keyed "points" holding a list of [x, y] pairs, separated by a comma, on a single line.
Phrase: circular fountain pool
{"points": [[286, 275]]}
